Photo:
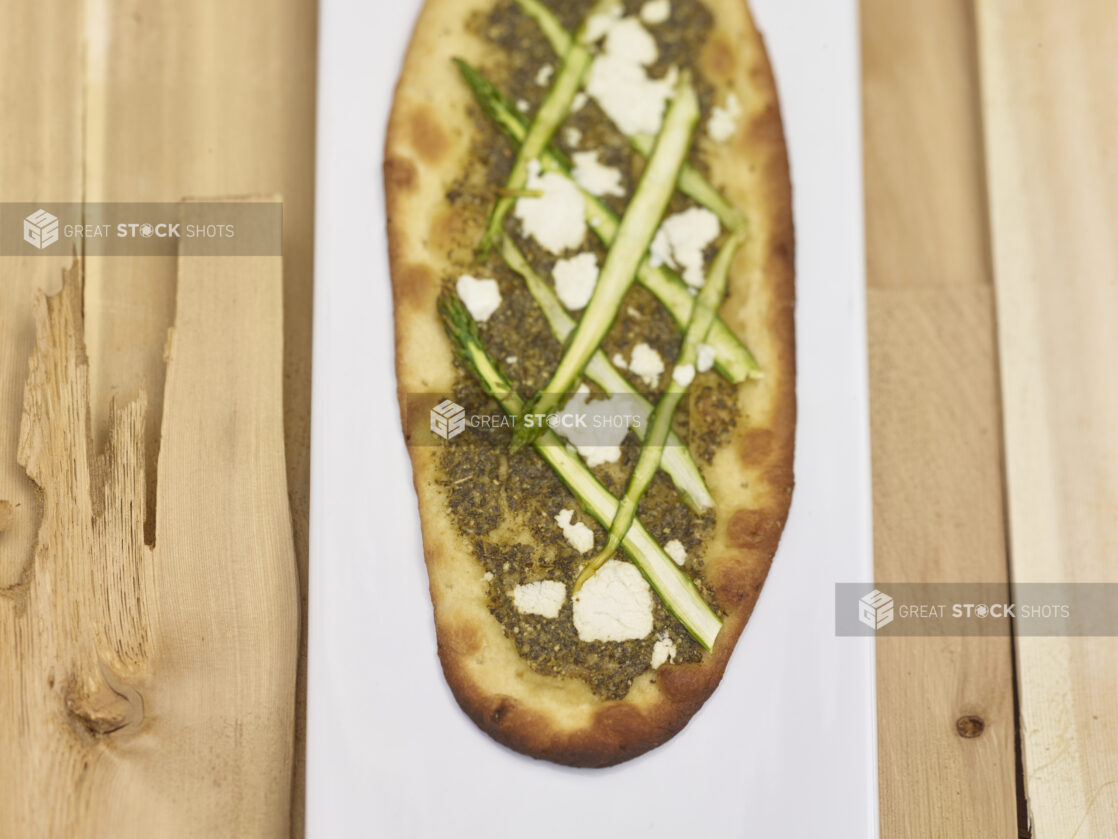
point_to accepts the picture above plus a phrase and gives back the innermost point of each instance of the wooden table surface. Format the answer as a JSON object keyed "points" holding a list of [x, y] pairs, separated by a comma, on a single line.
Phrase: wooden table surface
{"points": [[991, 158]]}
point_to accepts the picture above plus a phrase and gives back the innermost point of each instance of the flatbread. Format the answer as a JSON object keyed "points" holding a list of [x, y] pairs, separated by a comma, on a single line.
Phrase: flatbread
{"points": [[431, 140]]}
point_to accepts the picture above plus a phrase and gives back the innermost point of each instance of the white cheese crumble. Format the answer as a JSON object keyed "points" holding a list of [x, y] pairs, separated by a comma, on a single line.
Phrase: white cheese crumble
{"points": [[595, 177], [663, 651], [656, 11], [684, 374], [482, 297], [597, 428], [558, 219], [579, 101], [544, 598], [578, 534], [723, 120], [681, 240], [523, 106], [575, 279], [629, 39], [706, 358], [510, 359], [600, 22], [676, 551], [619, 81], [619, 361], [614, 605], [543, 75], [647, 364], [573, 137]]}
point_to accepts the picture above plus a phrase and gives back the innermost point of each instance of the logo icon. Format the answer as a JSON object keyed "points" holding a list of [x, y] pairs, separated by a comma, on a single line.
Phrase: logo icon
{"points": [[875, 610], [40, 229], [448, 419]]}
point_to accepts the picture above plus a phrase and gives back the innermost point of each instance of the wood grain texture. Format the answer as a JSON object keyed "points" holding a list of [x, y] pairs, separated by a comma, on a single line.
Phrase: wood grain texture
{"points": [[113, 733], [40, 160], [935, 417], [202, 99], [1050, 95], [938, 518], [922, 127]]}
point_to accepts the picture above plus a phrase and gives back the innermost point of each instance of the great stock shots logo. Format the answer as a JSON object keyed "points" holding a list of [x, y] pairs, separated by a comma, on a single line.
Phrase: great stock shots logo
{"points": [[875, 610], [40, 229], [448, 419]]}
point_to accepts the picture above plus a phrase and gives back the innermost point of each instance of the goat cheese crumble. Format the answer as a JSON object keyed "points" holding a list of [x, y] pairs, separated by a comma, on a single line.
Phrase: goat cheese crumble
{"points": [[544, 598], [597, 428], [681, 240], [656, 11], [482, 297], [663, 651], [578, 534], [683, 375], [676, 551], [706, 358], [557, 220], [575, 279], [646, 363], [595, 177], [618, 79], [614, 605], [723, 120]]}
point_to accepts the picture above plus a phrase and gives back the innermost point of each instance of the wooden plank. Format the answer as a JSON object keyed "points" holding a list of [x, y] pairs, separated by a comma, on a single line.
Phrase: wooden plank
{"points": [[207, 98], [925, 193], [40, 160], [934, 417], [1050, 95], [113, 733], [938, 517]]}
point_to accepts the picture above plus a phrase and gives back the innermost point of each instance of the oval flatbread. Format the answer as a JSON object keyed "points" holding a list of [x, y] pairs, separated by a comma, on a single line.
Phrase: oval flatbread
{"points": [[503, 536]]}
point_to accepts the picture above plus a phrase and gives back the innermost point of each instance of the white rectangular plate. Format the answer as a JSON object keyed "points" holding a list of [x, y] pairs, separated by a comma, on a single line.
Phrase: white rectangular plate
{"points": [[786, 745]]}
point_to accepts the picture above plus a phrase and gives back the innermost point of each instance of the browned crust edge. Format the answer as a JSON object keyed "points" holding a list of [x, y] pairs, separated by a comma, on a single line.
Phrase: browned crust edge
{"points": [[621, 731]]}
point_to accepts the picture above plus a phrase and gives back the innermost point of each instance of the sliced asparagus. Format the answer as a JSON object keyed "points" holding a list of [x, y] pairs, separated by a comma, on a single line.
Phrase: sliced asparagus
{"points": [[634, 235], [553, 30], [556, 105], [706, 305], [691, 181], [677, 462], [672, 586], [694, 185], [732, 359]]}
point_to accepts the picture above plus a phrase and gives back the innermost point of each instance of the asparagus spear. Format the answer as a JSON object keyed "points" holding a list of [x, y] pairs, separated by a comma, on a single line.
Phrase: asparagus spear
{"points": [[556, 105], [677, 462], [634, 235], [732, 359], [694, 185], [672, 586], [691, 181], [710, 297]]}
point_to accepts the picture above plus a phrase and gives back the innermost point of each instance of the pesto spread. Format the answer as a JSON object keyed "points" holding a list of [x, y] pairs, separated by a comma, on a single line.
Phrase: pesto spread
{"points": [[504, 504]]}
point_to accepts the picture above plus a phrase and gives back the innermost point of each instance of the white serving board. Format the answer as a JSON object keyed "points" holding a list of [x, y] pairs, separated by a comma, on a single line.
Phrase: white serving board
{"points": [[786, 746]]}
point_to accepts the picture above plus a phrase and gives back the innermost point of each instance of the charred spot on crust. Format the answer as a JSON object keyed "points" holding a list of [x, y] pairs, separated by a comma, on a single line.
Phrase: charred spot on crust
{"points": [[501, 711], [427, 135], [718, 58], [752, 528], [400, 173], [415, 284]]}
